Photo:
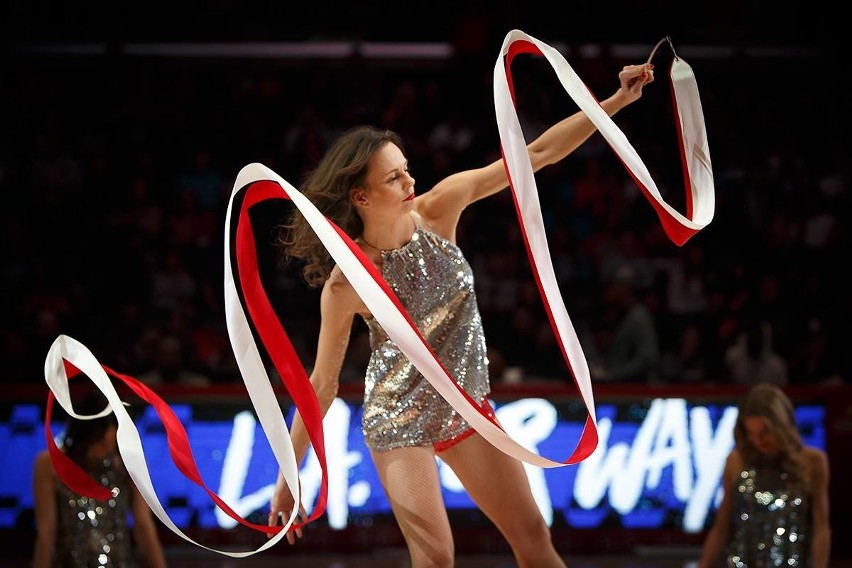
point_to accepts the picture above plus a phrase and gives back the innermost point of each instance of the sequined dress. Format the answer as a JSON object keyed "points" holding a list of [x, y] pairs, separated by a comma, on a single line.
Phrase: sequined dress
{"points": [[770, 521], [434, 283], [93, 533]]}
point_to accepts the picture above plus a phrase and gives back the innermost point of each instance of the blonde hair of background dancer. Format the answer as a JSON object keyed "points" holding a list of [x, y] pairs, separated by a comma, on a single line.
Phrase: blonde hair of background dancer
{"points": [[364, 185]]}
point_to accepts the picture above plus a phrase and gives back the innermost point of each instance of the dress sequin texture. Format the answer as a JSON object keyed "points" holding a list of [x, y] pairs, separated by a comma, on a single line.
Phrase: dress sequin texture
{"points": [[434, 283], [770, 521], [93, 533]]}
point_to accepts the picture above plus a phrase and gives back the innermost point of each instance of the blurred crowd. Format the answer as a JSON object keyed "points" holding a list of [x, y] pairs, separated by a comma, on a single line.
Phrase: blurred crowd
{"points": [[117, 172]]}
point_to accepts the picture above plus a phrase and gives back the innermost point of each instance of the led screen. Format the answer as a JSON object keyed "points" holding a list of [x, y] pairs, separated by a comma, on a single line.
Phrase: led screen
{"points": [[657, 465]]}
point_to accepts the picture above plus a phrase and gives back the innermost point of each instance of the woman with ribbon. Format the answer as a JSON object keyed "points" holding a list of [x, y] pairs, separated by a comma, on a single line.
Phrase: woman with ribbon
{"points": [[363, 185]]}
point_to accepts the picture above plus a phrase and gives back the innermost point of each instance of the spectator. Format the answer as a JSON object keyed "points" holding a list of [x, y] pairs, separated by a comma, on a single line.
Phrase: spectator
{"points": [[172, 284], [171, 366], [751, 359], [630, 347], [817, 361], [688, 363]]}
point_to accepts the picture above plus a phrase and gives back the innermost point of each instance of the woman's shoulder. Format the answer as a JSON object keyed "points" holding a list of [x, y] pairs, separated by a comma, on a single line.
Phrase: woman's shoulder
{"points": [[733, 467], [735, 463], [420, 222], [339, 294], [336, 283], [425, 226], [42, 457], [436, 225], [816, 462], [42, 465], [816, 458]]}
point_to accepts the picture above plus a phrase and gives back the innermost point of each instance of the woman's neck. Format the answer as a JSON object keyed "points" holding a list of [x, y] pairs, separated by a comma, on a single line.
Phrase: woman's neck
{"points": [[389, 238]]}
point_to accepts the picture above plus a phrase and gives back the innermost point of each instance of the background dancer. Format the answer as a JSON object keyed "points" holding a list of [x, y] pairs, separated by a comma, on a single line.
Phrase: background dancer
{"points": [[74, 530], [768, 465]]}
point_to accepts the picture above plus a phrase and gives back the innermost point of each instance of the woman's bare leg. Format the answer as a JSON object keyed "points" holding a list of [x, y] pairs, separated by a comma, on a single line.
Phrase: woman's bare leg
{"points": [[498, 484], [410, 479]]}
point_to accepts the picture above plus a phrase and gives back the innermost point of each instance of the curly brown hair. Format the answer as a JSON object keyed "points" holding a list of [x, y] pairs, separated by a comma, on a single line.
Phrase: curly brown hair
{"points": [[342, 168], [768, 401]]}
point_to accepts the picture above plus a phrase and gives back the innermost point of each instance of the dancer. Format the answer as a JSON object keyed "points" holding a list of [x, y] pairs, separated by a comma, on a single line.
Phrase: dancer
{"points": [[74, 530], [363, 184], [775, 506]]}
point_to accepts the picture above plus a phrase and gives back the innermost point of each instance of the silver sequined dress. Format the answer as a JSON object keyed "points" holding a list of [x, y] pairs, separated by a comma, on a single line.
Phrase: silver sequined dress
{"points": [[93, 533], [434, 283], [770, 521]]}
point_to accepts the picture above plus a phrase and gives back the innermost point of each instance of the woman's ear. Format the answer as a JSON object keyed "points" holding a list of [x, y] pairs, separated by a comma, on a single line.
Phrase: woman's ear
{"points": [[359, 197]]}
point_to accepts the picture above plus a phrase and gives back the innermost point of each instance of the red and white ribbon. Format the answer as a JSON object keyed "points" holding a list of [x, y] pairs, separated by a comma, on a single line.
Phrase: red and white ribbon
{"points": [[67, 358], [255, 183], [695, 156]]}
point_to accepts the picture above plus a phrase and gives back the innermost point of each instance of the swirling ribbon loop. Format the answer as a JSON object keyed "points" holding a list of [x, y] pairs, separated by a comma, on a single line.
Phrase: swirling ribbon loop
{"points": [[67, 358], [695, 157]]}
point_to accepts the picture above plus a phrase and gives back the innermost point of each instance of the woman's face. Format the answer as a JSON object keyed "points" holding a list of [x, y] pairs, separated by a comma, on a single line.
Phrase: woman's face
{"points": [[760, 435], [389, 183]]}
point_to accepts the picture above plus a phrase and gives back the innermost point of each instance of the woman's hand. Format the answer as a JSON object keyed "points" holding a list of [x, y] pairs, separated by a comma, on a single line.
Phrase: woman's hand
{"points": [[281, 505], [632, 79]]}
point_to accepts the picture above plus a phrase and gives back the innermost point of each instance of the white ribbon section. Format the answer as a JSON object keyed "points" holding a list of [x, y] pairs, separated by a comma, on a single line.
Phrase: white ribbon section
{"points": [[129, 441], [695, 145], [256, 379]]}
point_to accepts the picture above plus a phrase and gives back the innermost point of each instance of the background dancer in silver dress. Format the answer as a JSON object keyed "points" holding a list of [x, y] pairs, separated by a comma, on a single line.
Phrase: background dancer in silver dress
{"points": [[775, 508], [75, 530]]}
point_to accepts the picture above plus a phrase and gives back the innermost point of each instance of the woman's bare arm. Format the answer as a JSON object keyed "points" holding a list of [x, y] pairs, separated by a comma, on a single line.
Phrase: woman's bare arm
{"points": [[338, 305], [821, 525], [719, 533], [44, 496], [145, 532], [443, 204]]}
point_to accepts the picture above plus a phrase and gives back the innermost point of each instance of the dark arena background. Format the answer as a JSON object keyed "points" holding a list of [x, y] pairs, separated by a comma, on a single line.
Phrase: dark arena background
{"points": [[122, 128]]}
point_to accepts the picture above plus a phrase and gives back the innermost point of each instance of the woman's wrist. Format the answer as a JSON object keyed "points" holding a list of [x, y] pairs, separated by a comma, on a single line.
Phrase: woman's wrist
{"points": [[615, 103]]}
